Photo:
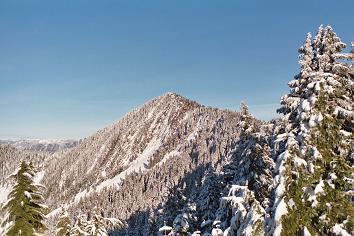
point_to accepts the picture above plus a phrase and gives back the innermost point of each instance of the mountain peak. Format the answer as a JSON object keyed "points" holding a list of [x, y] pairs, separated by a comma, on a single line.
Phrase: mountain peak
{"points": [[171, 96], [153, 134], [168, 104]]}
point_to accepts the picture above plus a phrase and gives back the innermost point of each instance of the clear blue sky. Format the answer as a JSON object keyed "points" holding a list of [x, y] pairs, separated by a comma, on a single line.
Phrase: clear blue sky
{"points": [[68, 68]]}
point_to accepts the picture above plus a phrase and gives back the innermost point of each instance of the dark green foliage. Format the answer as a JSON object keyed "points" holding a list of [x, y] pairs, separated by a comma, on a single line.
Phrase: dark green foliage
{"points": [[25, 213], [318, 199], [64, 224]]}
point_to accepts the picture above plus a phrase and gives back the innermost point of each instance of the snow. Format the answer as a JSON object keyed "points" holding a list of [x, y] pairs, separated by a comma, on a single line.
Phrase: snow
{"points": [[217, 232], [339, 230], [4, 192], [313, 193], [14, 173], [345, 133], [315, 120], [97, 156], [39, 176], [300, 162], [279, 212], [173, 153], [194, 134], [291, 203], [54, 212], [282, 137], [165, 228], [323, 217], [333, 176], [135, 166], [316, 153], [311, 168], [306, 232], [139, 164], [341, 111], [28, 195], [319, 187], [305, 105], [196, 233], [151, 113], [28, 175], [311, 85]]}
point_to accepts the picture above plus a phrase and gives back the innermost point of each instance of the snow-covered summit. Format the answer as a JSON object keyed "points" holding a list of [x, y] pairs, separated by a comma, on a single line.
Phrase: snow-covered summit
{"points": [[163, 132]]}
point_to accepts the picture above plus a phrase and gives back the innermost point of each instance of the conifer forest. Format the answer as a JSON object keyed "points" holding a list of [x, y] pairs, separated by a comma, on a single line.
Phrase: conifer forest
{"points": [[175, 167]]}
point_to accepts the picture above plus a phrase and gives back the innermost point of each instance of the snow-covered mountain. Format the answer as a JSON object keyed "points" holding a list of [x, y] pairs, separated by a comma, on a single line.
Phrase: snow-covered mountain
{"points": [[41, 145], [171, 155], [159, 143], [198, 168]]}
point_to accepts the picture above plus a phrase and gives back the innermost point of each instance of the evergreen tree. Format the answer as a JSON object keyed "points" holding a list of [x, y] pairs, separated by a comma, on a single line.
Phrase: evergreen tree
{"points": [[208, 199], [311, 187], [247, 126], [64, 224], [25, 211], [306, 56], [181, 225], [80, 227], [241, 212], [252, 164], [97, 227]]}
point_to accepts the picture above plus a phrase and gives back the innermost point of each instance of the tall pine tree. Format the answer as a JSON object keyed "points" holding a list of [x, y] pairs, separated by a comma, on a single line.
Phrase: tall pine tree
{"points": [[312, 171], [64, 224], [25, 212]]}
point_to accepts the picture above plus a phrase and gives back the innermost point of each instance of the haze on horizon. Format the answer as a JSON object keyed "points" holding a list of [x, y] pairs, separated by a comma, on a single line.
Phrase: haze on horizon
{"points": [[69, 68]]}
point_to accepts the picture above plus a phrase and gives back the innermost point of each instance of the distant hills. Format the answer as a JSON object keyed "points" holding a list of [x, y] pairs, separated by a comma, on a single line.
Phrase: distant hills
{"points": [[41, 145]]}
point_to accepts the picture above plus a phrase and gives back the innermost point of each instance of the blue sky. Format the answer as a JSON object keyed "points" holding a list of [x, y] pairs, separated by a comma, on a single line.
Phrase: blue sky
{"points": [[68, 68]]}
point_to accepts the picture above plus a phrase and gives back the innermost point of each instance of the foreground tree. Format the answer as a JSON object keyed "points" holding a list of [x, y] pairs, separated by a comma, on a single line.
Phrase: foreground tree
{"points": [[314, 170], [80, 228], [64, 224], [25, 212], [97, 226]]}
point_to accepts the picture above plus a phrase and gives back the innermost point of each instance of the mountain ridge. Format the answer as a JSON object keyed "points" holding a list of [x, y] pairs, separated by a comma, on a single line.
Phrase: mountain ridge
{"points": [[168, 130]]}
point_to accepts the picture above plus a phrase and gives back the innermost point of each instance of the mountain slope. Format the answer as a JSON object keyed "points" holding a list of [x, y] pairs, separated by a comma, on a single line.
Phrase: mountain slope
{"points": [[159, 143]]}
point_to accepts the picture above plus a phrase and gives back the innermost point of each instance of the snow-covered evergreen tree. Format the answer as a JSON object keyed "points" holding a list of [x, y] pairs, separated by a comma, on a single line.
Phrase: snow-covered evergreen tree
{"points": [[311, 172], [307, 56], [63, 226], [96, 226], [247, 126], [25, 212], [180, 224], [80, 227], [244, 211], [248, 176], [208, 199], [254, 163]]}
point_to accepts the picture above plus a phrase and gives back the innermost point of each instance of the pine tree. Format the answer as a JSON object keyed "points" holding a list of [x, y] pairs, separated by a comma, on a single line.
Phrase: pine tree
{"points": [[311, 184], [80, 227], [63, 226], [208, 199], [306, 56], [247, 126], [25, 211], [241, 212], [96, 227], [180, 224], [252, 164]]}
